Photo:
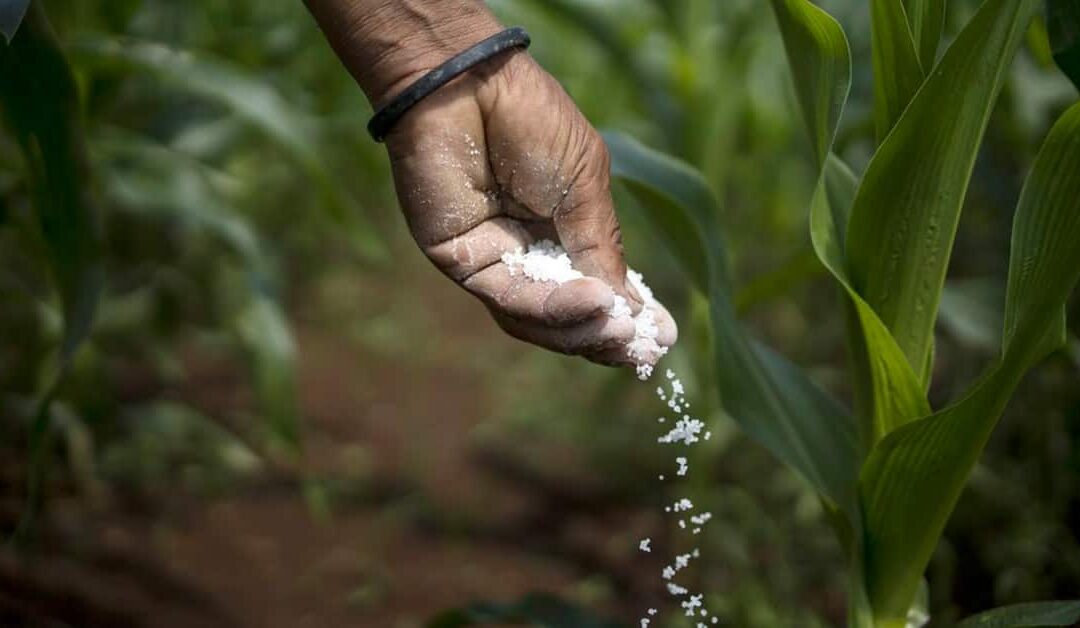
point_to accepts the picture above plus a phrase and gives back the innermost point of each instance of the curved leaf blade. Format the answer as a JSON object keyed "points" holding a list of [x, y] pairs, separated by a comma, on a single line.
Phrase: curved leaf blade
{"points": [[907, 209], [772, 399], [927, 19], [890, 391], [913, 478], [816, 47], [688, 218], [819, 55], [897, 71]]}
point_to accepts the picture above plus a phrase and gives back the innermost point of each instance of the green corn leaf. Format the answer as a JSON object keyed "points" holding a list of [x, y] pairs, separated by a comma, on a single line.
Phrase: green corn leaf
{"points": [[162, 183], [886, 387], [688, 213], [819, 55], [890, 391], [897, 71], [156, 182], [1063, 25], [11, 15], [904, 220], [816, 47], [774, 401], [251, 99], [1030, 615], [913, 478], [264, 332], [927, 19], [39, 102]]}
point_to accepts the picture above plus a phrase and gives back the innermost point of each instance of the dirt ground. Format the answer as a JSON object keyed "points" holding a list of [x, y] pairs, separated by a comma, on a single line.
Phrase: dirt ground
{"points": [[434, 524]]}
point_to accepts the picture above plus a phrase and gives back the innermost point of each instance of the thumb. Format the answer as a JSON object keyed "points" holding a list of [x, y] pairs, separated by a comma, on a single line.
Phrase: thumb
{"points": [[588, 227]]}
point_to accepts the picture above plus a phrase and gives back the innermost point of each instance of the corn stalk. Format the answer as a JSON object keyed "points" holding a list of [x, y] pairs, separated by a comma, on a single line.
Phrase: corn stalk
{"points": [[891, 471]]}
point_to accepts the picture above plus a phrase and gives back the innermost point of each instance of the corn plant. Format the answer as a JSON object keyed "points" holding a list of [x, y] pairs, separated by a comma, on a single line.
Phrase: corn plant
{"points": [[74, 171], [890, 469]]}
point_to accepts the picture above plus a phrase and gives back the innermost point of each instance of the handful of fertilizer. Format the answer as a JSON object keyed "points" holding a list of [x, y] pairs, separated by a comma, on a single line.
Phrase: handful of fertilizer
{"points": [[547, 261]]}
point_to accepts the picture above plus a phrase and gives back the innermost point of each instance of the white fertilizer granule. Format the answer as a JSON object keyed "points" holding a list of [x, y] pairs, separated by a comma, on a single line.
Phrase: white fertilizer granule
{"points": [[687, 431], [547, 261], [683, 505], [691, 604], [543, 261]]}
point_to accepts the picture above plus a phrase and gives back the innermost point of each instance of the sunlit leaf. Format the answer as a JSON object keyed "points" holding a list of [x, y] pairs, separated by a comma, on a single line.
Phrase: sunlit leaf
{"points": [[897, 71], [816, 47], [819, 55], [912, 480], [906, 212]]}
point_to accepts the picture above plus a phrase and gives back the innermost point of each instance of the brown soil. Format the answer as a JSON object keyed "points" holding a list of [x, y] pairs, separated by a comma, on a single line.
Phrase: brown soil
{"points": [[429, 524]]}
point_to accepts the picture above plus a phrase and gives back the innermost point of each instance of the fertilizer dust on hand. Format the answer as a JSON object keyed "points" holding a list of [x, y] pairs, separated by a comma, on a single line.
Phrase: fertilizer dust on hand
{"points": [[548, 261]]}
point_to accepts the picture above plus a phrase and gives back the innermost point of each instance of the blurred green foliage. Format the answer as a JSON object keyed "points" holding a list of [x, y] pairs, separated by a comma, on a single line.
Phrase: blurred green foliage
{"points": [[226, 155]]}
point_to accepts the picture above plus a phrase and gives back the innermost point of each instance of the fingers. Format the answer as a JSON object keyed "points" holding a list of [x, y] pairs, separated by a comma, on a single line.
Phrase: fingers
{"points": [[514, 295], [668, 331], [550, 161], [479, 248], [479, 177], [588, 227], [598, 336], [601, 339], [590, 339]]}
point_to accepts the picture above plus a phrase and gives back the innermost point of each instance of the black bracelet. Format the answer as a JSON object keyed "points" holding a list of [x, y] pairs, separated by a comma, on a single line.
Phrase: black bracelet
{"points": [[385, 118]]}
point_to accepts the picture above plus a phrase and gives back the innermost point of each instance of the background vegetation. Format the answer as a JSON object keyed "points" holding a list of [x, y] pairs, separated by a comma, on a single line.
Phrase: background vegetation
{"points": [[281, 416]]}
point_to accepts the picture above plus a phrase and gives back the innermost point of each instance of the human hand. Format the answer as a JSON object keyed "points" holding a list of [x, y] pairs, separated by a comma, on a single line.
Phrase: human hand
{"points": [[498, 159]]}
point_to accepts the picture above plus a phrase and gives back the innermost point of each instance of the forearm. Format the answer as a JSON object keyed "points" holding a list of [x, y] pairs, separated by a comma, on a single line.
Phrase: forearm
{"points": [[387, 44]]}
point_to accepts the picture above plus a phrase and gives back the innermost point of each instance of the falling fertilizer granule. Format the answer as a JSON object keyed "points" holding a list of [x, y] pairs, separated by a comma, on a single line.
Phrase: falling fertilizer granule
{"points": [[686, 432], [547, 261]]}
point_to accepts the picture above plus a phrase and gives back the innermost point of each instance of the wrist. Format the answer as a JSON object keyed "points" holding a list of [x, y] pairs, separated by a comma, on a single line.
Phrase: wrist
{"points": [[389, 44]]}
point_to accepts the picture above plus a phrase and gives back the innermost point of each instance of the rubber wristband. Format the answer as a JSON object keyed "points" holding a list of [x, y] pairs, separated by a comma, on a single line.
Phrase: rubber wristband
{"points": [[385, 119]]}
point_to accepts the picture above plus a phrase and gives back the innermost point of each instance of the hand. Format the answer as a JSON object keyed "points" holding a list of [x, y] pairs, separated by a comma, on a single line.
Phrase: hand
{"points": [[498, 159]]}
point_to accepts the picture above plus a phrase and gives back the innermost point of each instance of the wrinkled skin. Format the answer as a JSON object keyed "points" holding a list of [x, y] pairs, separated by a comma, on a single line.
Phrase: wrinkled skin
{"points": [[501, 158], [493, 161]]}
